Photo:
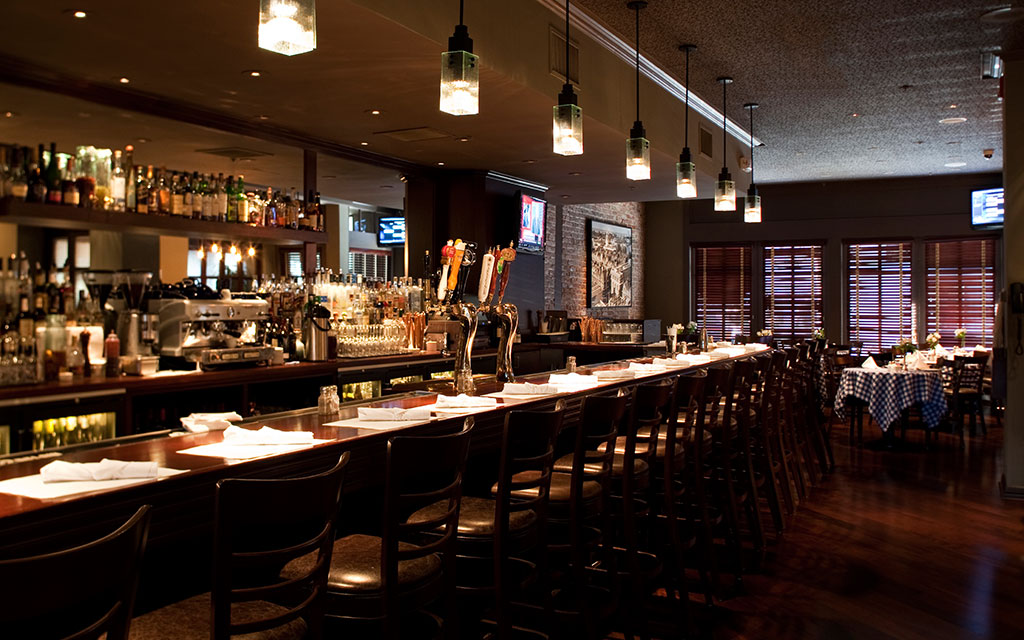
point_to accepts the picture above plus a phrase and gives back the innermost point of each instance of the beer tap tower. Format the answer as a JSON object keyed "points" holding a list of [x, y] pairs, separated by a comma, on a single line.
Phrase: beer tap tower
{"points": [[494, 272]]}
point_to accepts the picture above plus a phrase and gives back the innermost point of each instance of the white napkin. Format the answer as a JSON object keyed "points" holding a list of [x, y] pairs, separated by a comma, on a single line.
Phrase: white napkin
{"points": [[981, 348], [462, 401], [693, 360], [615, 374], [266, 436], [62, 471], [395, 414], [731, 352], [528, 389], [640, 367], [572, 380], [870, 364], [941, 352], [671, 363], [203, 422]]}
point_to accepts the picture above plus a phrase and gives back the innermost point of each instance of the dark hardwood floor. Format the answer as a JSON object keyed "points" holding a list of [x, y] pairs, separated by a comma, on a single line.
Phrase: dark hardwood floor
{"points": [[894, 545]]}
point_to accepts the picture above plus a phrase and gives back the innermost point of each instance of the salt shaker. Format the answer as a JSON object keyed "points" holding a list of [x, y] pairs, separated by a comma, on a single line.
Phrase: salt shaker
{"points": [[570, 364]]}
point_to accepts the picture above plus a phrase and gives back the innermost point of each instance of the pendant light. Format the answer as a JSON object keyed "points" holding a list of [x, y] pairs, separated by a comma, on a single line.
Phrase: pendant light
{"points": [[752, 203], [686, 170], [638, 147], [460, 73], [287, 27], [567, 130], [725, 188]]}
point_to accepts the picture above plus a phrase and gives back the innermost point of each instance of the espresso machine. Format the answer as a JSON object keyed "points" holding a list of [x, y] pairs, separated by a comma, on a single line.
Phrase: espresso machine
{"points": [[223, 332]]}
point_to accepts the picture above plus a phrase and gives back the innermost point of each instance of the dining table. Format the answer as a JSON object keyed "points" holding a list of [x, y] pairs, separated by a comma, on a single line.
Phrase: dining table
{"points": [[888, 391]]}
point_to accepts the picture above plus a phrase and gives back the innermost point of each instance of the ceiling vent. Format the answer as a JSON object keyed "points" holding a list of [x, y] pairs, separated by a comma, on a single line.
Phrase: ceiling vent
{"points": [[234, 153], [418, 134], [556, 57], [707, 143]]}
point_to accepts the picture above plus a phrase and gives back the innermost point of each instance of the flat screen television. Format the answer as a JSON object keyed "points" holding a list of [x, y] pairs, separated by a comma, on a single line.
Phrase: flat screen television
{"points": [[531, 224], [390, 231], [987, 208]]}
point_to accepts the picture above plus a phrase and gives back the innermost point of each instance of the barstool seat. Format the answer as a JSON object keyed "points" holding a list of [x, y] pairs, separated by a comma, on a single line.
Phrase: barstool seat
{"points": [[476, 517], [561, 487], [191, 619], [564, 465], [355, 566]]}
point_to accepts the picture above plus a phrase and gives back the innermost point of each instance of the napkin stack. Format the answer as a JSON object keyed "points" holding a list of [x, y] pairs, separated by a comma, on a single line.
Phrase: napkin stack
{"points": [[462, 401], [730, 352], [528, 389], [266, 436], [203, 422], [640, 367], [671, 363], [572, 380], [870, 364], [61, 471], [615, 374], [383, 414], [695, 360]]}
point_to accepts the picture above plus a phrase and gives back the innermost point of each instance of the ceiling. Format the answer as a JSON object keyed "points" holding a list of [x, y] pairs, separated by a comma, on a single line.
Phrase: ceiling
{"points": [[815, 64]]}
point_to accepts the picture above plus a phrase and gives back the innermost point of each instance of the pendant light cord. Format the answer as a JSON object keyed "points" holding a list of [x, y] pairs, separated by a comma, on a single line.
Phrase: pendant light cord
{"points": [[637, 7], [751, 144], [686, 116], [566, 41], [461, 8], [725, 166]]}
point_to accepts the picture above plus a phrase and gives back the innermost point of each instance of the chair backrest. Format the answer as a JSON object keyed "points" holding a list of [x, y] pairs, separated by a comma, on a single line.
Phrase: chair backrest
{"points": [[856, 347], [718, 385], [260, 525], [421, 471], [691, 402], [970, 372], [76, 594], [601, 419]]}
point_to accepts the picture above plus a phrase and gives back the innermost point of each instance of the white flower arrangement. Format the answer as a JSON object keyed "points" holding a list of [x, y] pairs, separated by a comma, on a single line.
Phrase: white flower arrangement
{"points": [[818, 334], [932, 339], [961, 335], [764, 333]]}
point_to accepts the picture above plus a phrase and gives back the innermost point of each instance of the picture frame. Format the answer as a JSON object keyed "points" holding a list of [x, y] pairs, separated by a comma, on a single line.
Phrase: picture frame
{"points": [[609, 265]]}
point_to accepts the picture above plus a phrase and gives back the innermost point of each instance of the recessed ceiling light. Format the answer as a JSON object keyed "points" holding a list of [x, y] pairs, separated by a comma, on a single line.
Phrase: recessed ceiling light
{"points": [[123, 80], [374, 112], [464, 139], [956, 163], [253, 73], [440, 164], [565, 196], [263, 117], [79, 14], [953, 106], [142, 140], [952, 120], [854, 115], [9, 114], [529, 161], [364, 144], [575, 173]]}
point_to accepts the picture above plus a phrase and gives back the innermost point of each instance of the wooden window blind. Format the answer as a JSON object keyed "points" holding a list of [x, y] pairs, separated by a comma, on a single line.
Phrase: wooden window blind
{"points": [[962, 289], [722, 282], [879, 303], [792, 291]]}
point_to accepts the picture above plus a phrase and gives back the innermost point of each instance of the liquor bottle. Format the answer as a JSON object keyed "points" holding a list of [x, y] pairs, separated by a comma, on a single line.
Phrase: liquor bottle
{"points": [[230, 202], [153, 206], [36, 185], [141, 191], [117, 182], [186, 195], [67, 293], [197, 196], [26, 323], [221, 210], [17, 186], [69, 190], [131, 179], [177, 195], [318, 213], [208, 197], [163, 196], [242, 202], [54, 193]]}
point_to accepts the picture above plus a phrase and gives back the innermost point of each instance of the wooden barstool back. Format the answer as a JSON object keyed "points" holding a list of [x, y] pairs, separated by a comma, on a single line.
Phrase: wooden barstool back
{"points": [[82, 593]]}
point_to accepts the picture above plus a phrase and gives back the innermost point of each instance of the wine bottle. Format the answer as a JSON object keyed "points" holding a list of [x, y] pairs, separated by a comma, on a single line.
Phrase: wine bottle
{"points": [[241, 201], [54, 192], [197, 196], [141, 191], [163, 193], [18, 185], [221, 210], [131, 179], [36, 185], [117, 182], [69, 190]]}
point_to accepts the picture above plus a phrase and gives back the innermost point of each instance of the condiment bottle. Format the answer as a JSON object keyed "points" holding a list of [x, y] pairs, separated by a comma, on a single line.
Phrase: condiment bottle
{"points": [[112, 349]]}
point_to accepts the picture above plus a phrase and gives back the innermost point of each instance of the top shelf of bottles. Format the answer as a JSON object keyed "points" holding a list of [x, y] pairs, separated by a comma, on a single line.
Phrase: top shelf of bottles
{"points": [[16, 211]]}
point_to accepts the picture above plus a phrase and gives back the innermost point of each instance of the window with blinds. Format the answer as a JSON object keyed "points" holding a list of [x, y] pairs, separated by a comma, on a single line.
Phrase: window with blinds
{"points": [[879, 304], [370, 264], [962, 289], [792, 291], [722, 285]]}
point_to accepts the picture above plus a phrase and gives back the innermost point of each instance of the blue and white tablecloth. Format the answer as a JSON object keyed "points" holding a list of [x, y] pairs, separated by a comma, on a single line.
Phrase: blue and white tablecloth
{"points": [[889, 392]]}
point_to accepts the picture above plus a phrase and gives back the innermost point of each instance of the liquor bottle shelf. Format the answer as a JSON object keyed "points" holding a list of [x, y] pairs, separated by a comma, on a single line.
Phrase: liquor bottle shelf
{"points": [[66, 217]]}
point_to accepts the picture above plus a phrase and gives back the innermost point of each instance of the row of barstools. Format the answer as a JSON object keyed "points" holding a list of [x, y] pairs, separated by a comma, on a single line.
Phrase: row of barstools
{"points": [[652, 493]]}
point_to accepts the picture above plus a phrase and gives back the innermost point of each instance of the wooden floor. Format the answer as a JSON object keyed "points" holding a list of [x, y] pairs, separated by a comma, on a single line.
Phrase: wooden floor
{"points": [[894, 545]]}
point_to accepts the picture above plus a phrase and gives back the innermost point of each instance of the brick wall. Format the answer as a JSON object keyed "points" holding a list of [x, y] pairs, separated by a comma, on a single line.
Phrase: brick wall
{"points": [[573, 250]]}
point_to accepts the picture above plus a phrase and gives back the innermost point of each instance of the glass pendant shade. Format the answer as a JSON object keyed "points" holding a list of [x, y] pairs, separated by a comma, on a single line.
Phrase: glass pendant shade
{"points": [[686, 176], [567, 130], [752, 208], [725, 193], [638, 158], [460, 83], [287, 27]]}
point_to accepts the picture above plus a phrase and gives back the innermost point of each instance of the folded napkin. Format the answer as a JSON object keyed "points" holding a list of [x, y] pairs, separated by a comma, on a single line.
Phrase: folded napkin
{"points": [[384, 414], [671, 363], [640, 367], [694, 359], [266, 436], [731, 352], [202, 422], [528, 389], [462, 401], [981, 348], [754, 346], [61, 471], [870, 364], [572, 380], [941, 352], [615, 374]]}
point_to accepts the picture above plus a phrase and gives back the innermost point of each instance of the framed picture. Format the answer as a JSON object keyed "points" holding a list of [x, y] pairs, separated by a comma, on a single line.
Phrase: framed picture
{"points": [[609, 265]]}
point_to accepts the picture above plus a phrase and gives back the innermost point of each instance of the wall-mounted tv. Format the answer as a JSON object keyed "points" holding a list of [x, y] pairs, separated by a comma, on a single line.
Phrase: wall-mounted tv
{"points": [[531, 224], [987, 208], [390, 231]]}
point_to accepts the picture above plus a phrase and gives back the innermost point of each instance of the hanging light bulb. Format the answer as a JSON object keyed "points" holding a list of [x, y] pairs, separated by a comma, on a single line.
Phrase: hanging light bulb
{"points": [[752, 203], [215, 248], [252, 251], [725, 188], [686, 170], [638, 147], [200, 253], [460, 73], [567, 125], [287, 27], [234, 250]]}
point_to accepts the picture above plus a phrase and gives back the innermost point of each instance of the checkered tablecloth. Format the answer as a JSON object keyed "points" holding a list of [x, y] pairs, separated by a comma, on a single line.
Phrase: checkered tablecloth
{"points": [[888, 393]]}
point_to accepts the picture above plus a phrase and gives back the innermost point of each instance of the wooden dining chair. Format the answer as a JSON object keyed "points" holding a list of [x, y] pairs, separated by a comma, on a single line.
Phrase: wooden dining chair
{"points": [[83, 593], [260, 525]]}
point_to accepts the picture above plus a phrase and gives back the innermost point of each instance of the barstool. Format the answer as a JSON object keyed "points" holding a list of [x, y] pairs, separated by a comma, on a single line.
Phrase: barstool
{"points": [[259, 526], [376, 581], [84, 592]]}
